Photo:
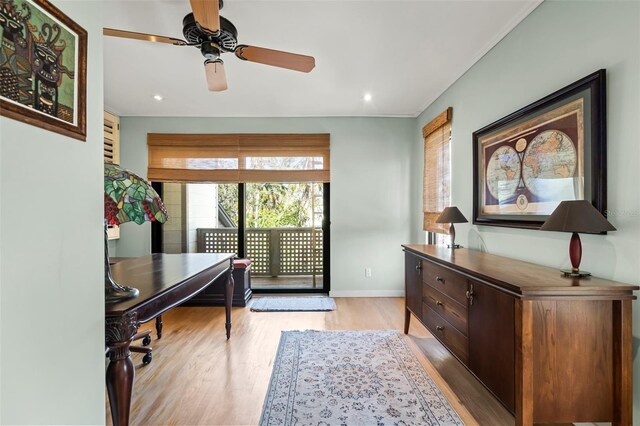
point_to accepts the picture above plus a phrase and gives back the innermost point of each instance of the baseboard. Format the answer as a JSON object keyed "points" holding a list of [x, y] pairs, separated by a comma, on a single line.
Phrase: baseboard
{"points": [[367, 293]]}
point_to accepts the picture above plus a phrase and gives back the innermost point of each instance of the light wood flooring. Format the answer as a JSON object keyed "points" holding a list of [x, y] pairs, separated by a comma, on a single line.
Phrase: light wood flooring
{"points": [[197, 377]]}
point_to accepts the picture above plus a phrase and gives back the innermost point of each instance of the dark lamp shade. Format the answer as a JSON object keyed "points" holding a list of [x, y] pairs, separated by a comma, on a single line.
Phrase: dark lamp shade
{"points": [[577, 216], [451, 215]]}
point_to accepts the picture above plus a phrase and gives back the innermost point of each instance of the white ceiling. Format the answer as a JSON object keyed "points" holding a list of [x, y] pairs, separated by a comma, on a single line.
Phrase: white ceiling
{"points": [[405, 53]]}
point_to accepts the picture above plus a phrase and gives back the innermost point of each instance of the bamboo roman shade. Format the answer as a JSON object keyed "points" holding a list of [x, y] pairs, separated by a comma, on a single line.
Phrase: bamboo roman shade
{"points": [[437, 170], [230, 158]]}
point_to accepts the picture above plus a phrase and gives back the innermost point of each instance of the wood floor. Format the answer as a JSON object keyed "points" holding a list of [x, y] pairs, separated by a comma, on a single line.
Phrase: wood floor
{"points": [[197, 377]]}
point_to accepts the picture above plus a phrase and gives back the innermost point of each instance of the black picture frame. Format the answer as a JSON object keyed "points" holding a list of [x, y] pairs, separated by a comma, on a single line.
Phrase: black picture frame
{"points": [[589, 93]]}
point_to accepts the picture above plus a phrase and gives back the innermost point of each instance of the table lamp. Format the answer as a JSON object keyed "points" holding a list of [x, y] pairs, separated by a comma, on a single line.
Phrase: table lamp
{"points": [[576, 217], [452, 215], [127, 198]]}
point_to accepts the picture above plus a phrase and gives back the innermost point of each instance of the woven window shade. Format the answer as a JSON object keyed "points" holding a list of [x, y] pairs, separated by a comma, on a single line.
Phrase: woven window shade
{"points": [[238, 158], [437, 171]]}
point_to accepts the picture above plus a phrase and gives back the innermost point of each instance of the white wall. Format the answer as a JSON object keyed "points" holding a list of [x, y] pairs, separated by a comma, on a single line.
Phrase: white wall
{"points": [[202, 212], [559, 43], [51, 293], [370, 204]]}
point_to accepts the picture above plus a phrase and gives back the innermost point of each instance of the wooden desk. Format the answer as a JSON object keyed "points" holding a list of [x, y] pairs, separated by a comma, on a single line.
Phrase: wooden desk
{"points": [[551, 349], [164, 281]]}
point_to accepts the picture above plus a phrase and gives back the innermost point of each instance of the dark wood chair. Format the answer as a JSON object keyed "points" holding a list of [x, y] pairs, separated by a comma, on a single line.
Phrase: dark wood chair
{"points": [[145, 348]]}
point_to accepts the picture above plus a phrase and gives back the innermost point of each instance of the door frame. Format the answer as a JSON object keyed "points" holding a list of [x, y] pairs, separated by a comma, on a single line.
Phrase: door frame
{"points": [[326, 246], [156, 239]]}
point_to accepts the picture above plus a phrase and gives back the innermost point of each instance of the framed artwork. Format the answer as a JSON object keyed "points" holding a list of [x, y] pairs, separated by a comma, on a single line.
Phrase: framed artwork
{"points": [[43, 67], [553, 150]]}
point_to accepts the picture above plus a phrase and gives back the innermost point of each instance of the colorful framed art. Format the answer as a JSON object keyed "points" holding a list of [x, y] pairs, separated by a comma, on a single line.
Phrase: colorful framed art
{"points": [[553, 150], [43, 67]]}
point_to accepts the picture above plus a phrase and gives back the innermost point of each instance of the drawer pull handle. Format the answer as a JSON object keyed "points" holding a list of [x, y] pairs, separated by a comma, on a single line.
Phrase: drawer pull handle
{"points": [[439, 328], [470, 295], [440, 280], [418, 267], [439, 303]]}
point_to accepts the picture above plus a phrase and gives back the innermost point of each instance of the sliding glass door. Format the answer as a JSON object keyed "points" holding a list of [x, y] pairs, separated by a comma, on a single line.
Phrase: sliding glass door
{"points": [[284, 235], [282, 227]]}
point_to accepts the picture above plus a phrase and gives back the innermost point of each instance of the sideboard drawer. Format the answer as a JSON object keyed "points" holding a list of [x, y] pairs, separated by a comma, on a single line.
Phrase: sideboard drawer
{"points": [[445, 281], [455, 341], [449, 309]]}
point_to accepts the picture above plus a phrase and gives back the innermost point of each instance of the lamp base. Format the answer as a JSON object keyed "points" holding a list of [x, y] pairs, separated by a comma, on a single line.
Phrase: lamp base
{"points": [[454, 246], [575, 274], [114, 292]]}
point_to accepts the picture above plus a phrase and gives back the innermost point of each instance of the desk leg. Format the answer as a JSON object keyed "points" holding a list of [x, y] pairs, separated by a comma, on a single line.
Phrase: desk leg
{"points": [[524, 362], [622, 376], [119, 334], [228, 300]]}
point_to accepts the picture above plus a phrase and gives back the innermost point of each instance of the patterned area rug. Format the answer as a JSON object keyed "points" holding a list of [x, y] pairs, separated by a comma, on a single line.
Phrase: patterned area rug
{"points": [[292, 304], [351, 378]]}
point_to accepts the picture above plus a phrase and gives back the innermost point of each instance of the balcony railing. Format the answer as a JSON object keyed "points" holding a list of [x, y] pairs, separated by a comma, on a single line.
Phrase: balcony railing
{"points": [[273, 251]]}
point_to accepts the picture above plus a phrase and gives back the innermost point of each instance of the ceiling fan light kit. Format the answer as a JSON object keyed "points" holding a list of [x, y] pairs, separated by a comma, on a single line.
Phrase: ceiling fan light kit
{"points": [[215, 35], [216, 78]]}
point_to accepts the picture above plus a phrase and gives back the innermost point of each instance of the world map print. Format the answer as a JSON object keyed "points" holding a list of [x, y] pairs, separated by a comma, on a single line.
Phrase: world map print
{"points": [[545, 168], [503, 172], [530, 167], [551, 155]]}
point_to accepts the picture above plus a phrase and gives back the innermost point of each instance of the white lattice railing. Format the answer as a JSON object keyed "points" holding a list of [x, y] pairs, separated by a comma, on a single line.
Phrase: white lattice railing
{"points": [[273, 251]]}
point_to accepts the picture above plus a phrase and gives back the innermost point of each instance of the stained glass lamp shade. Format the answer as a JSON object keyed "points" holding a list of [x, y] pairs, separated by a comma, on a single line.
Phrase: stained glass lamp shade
{"points": [[127, 198]]}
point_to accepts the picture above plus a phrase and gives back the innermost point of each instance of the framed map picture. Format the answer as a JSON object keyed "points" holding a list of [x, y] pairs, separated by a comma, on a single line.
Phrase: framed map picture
{"points": [[43, 62], [553, 150]]}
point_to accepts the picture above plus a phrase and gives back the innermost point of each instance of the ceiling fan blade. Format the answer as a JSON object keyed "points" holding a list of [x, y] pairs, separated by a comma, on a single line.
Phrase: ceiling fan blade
{"points": [[216, 77], [207, 14], [142, 36], [276, 58]]}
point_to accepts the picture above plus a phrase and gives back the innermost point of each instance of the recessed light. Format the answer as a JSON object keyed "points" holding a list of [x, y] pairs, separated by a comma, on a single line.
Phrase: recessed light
{"points": [[158, 98], [367, 97]]}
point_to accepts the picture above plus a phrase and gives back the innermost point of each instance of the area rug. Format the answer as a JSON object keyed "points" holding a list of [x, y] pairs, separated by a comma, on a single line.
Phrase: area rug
{"points": [[351, 378], [293, 304]]}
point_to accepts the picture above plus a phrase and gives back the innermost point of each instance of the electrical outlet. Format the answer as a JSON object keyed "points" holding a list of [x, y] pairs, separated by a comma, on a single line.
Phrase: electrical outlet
{"points": [[367, 272]]}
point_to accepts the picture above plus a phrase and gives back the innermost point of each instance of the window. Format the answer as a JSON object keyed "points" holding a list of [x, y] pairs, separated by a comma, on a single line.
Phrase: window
{"points": [[437, 173]]}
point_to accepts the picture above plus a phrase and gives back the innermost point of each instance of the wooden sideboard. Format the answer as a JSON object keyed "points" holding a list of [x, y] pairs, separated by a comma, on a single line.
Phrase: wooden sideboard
{"points": [[551, 349]]}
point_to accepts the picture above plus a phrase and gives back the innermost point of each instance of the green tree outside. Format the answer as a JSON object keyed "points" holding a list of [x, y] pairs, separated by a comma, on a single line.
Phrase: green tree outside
{"points": [[273, 205]]}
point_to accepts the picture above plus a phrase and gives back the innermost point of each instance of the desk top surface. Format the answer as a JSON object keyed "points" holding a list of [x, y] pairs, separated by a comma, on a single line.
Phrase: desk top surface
{"points": [[517, 276], [157, 273]]}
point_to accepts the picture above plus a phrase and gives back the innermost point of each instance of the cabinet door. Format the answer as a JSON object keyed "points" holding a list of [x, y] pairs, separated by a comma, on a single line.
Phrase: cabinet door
{"points": [[492, 340], [413, 283]]}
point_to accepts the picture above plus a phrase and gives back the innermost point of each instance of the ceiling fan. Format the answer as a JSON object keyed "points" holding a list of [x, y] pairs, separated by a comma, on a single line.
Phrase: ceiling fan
{"points": [[215, 35]]}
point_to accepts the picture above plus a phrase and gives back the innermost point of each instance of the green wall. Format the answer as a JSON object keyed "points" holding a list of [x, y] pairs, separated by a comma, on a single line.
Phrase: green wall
{"points": [[559, 43], [51, 297], [51, 253], [370, 200]]}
